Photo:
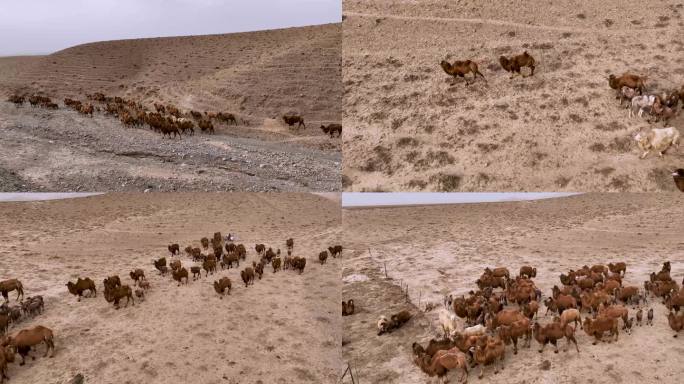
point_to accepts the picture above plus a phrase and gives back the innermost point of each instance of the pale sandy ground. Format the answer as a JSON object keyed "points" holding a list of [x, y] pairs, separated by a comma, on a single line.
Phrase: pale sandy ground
{"points": [[258, 76], [443, 249], [408, 126], [284, 329]]}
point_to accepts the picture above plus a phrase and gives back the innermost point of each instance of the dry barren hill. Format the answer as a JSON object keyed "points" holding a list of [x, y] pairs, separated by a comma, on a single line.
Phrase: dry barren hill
{"points": [[258, 76], [410, 126], [255, 74], [441, 250], [283, 329]]}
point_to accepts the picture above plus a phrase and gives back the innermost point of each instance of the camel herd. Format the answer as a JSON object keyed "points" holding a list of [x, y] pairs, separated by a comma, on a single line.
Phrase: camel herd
{"points": [[659, 106], [213, 253], [656, 107], [167, 119], [505, 309], [513, 64]]}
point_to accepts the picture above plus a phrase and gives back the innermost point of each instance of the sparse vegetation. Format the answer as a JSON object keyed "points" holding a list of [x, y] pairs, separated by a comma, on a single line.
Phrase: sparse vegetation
{"points": [[446, 182]]}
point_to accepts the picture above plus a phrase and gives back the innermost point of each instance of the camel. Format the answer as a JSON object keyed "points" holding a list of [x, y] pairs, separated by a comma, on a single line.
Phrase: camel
{"points": [[11, 285], [515, 63], [461, 68], [442, 362]]}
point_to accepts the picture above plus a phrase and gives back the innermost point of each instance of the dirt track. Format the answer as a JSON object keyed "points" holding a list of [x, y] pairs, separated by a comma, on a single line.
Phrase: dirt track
{"points": [[283, 329], [410, 127], [440, 250]]}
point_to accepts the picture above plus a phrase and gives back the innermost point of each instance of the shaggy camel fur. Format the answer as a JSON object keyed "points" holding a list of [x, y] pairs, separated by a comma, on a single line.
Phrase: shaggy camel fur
{"points": [[515, 63], [442, 362], [461, 68], [11, 285]]}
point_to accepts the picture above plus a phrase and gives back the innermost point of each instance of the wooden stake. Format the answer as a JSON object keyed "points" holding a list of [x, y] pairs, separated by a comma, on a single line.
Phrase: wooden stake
{"points": [[351, 374]]}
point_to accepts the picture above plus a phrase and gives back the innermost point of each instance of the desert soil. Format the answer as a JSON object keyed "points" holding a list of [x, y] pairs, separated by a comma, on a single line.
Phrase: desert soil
{"points": [[258, 76], [285, 328], [410, 126], [438, 250]]}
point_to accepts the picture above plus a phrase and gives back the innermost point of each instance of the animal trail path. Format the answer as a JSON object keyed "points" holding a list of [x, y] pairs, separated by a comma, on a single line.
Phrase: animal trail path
{"points": [[497, 22]]}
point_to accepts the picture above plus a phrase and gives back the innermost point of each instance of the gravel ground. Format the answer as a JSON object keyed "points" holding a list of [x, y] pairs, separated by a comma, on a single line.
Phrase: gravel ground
{"points": [[63, 151]]}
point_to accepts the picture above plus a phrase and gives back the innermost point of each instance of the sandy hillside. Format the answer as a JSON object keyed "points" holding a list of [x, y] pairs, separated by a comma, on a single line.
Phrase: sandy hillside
{"points": [[409, 126], [283, 329], [443, 249], [258, 76]]}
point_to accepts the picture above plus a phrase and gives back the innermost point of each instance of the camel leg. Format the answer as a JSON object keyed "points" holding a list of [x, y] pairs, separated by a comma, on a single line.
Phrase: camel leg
{"points": [[555, 345], [515, 346], [464, 375]]}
